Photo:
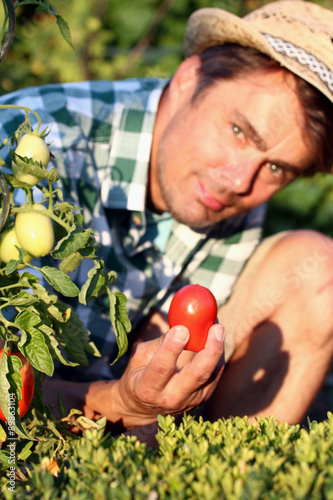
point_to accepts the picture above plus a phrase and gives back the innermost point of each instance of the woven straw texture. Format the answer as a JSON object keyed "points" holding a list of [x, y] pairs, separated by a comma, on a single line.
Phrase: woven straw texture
{"points": [[297, 34]]}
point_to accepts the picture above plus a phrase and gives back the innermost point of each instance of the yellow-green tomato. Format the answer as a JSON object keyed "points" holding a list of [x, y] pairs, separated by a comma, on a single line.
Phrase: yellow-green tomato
{"points": [[33, 147], [8, 250], [35, 232]]}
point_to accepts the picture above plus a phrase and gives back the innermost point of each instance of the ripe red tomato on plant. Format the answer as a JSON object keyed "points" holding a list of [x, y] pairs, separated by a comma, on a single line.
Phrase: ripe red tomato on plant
{"points": [[28, 384], [194, 306]]}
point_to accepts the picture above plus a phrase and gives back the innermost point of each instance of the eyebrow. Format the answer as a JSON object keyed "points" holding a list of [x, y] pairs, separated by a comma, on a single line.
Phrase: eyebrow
{"points": [[261, 144], [251, 132]]}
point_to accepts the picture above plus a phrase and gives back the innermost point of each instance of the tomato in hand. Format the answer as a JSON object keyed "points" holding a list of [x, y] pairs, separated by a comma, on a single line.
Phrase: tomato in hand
{"points": [[8, 250], [194, 306], [34, 147], [35, 232], [28, 384]]}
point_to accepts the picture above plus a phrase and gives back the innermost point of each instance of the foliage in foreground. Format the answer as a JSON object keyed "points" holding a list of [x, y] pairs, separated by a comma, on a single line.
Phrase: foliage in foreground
{"points": [[231, 459]]}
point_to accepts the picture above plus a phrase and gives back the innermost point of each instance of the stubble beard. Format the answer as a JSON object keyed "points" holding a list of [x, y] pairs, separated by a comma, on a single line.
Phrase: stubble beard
{"points": [[178, 209]]}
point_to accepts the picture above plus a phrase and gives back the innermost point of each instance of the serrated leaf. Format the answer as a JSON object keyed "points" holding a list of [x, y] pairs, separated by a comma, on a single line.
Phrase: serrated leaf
{"points": [[97, 283], [72, 242], [4, 460], [60, 281], [28, 280], [23, 299], [15, 183], [27, 319], [55, 350], [70, 263], [43, 294], [64, 30], [65, 206], [11, 383], [32, 343], [25, 452], [75, 339], [29, 166], [46, 8], [120, 322], [58, 314], [12, 266]]}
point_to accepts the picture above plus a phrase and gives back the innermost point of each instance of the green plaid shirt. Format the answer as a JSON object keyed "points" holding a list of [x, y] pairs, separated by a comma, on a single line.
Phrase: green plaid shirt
{"points": [[101, 139]]}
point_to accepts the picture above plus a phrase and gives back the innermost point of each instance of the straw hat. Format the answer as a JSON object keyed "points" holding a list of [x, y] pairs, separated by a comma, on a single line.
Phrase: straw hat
{"points": [[297, 34]]}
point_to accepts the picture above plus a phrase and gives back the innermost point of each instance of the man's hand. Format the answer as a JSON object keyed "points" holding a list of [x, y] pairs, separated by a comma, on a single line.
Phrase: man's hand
{"points": [[153, 382], [160, 378]]}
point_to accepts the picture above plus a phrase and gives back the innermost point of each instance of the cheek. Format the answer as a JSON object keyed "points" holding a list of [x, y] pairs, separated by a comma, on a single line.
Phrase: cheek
{"points": [[261, 192]]}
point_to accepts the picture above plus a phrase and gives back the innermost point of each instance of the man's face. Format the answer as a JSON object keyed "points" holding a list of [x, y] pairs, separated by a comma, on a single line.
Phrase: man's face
{"points": [[242, 141]]}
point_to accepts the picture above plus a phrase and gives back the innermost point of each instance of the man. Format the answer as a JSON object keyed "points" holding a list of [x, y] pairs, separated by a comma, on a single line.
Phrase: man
{"points": [[183, 201]]}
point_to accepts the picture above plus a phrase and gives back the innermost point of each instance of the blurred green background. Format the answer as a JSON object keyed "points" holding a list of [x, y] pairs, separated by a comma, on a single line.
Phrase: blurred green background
{"points": [[115, 39]]}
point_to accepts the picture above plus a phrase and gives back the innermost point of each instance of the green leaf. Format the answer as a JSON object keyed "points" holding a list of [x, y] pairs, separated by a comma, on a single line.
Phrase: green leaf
{"points": [[54, 348], [65, 206], [64, 30], [23, 299], [72, 242], [12, 266], [4, 460], [120, 322], [15, 183], [70, 263], [60, 281], [46, 8], [97, 283], [32, 343], [10, 384], [75, 339], [29, 166], [25, 452]]}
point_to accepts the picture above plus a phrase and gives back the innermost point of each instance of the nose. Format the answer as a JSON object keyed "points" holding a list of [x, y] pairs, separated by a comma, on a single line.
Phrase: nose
{"points": [[239, 176]]}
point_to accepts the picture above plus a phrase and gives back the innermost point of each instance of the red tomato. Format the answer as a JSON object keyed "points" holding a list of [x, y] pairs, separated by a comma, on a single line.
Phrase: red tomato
{"points": [[194, 306], [28, 384]]}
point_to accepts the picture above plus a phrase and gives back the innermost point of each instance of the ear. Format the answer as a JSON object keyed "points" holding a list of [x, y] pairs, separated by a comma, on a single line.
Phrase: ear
{"points": [[184, 81]]}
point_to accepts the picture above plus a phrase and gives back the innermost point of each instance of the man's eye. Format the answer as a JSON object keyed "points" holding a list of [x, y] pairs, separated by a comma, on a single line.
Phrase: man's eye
{"points": [[237, 131], [275, 169]]}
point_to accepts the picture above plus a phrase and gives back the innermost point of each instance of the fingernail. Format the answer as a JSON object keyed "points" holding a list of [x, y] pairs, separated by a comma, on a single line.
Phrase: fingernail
{"points": [[180, 334], [219, 333]]}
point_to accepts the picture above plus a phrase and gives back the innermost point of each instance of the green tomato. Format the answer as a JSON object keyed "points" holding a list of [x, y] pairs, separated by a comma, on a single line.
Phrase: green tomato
{"points": [[33, 147], [8, 243], [35, 232]]}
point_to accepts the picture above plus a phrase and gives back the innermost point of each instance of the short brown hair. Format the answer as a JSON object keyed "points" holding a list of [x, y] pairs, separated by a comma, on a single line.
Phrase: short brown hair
{"points": [[228, 61]]}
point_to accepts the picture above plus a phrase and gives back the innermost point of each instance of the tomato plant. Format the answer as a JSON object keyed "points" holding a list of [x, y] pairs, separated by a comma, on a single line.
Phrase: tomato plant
{"points": [[34, 147], [8, 250], [28, 384], [35, 231], [194, 306], [35, 318]]}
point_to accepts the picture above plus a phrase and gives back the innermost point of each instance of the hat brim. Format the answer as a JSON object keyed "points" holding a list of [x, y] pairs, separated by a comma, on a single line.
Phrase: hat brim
{"points": [[212, 26]]}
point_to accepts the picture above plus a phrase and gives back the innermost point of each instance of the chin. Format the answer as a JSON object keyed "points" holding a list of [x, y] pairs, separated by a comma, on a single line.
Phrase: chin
{"points": [[194, 222]]}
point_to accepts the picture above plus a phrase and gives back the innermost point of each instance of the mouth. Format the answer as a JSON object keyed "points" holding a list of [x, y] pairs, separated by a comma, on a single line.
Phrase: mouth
{"points": [[209, 200]]}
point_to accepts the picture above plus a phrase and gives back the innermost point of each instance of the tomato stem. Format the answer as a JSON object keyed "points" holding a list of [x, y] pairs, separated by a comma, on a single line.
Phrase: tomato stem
{"points": [[30, 198], [8, 287], [50, 197], [27, 111], [48, 212]]}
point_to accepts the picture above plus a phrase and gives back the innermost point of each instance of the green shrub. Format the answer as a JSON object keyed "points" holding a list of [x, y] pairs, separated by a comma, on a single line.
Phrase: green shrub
{"points": [[196, 459]]}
